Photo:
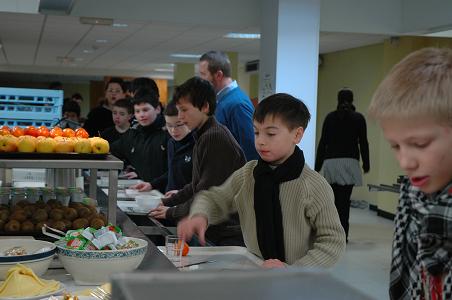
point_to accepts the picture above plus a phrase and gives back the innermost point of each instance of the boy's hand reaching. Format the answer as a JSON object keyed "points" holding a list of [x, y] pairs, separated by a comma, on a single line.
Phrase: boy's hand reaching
{"points": [[169, 194], [194, 225], [142, 186], [273, 264], [131, 175], [159, 212]]}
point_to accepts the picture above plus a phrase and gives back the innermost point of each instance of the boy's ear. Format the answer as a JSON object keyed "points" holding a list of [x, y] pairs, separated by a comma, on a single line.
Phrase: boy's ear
{"points": [[299, 132], [158, 109], [205, 108]]}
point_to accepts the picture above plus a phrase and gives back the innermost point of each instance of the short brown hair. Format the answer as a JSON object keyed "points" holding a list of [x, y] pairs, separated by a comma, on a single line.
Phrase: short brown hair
{"points": [[419, 85]]}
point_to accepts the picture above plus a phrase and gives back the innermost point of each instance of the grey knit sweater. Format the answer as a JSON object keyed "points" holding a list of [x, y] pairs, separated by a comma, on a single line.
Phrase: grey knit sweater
{"points": [[313, 235]]}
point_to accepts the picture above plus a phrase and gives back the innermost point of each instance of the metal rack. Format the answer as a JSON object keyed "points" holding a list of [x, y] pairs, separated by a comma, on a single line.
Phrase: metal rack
{"points": [[395, 188], [110, 163]]}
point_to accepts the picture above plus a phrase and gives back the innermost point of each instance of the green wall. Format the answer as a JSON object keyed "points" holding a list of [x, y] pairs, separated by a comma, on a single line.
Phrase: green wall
{"points": [[362, 69]]}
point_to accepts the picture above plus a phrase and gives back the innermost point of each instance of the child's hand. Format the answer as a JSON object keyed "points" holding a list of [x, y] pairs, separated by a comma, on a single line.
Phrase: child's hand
{"points": [[273, 264], [159, 212], [170, 193], [142, 186], [131, 175], [187, 227]]}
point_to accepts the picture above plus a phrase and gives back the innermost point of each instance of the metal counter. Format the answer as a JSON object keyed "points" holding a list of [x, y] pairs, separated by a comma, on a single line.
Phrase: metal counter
{"points": [[110, 163]]}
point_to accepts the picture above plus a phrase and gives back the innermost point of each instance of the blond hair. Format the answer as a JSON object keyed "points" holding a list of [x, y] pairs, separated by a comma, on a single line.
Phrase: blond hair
{"points": [[419, 85]]}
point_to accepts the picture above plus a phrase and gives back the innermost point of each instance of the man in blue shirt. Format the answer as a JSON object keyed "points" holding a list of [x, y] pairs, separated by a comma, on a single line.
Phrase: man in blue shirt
{"points": [[234, 107]]}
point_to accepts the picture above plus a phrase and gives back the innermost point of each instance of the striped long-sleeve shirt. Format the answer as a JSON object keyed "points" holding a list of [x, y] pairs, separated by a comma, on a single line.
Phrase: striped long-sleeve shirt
{"points": [[313, 235]]}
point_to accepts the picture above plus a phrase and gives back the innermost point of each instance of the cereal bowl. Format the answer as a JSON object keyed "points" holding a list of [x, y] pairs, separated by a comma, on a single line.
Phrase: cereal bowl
{"points": [[39, 255], [94, 267]]}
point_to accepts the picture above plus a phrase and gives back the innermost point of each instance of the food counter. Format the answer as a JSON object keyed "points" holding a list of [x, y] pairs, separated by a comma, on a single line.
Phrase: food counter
{"points": [[109, 162]]}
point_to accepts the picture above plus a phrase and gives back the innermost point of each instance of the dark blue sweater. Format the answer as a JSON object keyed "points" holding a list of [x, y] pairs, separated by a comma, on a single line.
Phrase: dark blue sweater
{"points": [[180, 165]]}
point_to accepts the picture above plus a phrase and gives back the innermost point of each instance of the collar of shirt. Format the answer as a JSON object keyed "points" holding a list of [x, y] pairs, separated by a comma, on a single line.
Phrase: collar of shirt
{"points": [[226, 90]]}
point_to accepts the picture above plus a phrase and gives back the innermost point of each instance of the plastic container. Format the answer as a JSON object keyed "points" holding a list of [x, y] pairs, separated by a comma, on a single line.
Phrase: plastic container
{"points": [[18, 195], [77, 194], [48, 194], [5, 194], [63, 195], [33, 195]]}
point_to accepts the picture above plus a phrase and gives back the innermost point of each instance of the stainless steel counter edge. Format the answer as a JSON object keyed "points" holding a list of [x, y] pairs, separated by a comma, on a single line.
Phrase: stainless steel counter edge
{"points": [[110, 162]]}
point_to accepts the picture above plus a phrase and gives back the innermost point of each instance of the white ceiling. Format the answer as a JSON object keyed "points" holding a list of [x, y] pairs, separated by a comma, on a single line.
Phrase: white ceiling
{"points": [[33, 42]]}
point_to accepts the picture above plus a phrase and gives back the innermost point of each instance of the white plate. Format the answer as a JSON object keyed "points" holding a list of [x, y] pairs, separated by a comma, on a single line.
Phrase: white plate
{"points": [[43, 296]]}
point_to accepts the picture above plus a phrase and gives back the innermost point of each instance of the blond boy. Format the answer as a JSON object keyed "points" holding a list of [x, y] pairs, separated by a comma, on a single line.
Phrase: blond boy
{"points": [[413, 106]]}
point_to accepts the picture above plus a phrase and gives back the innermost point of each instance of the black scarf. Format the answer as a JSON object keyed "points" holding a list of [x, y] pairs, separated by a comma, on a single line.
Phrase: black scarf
{"points": [[269, 228]]}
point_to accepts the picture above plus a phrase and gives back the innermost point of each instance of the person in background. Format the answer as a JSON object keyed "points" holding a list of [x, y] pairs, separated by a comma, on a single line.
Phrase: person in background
{"points": [[100, 117], [216, 155], [234, 108], [286, 209], [71, 115], [180, 163], [77, 97], [344, 136], [144, 147], [413, 106], [143, 82], [122, 114]]}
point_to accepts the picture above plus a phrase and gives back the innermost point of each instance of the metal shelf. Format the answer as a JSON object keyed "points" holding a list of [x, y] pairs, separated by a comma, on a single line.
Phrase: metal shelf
{"points": [[110, 163]]}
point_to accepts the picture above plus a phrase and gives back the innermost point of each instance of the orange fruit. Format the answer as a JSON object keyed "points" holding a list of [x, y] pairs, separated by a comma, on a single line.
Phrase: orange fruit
{"points": [[31, 130], [17, 131], [186, 248], [68, 132], [56, 131], [4, 130], [81, 133], [43, 131]]}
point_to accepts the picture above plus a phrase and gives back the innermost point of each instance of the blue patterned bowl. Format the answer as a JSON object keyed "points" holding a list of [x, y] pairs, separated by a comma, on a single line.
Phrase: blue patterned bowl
{"points": [[38, 258], [94, 267]]}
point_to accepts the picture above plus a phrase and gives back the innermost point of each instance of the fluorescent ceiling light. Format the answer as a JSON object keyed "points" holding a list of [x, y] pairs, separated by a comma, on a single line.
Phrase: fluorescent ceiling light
{"points": [[88, 51], [185, 55], [96, 21], [237, 35], [120, 25], [163, 70], [101, 41], [445, 33]]}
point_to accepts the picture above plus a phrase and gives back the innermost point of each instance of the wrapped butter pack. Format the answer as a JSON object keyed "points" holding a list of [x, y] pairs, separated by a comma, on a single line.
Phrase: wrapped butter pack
{"points": [[106, 238]]}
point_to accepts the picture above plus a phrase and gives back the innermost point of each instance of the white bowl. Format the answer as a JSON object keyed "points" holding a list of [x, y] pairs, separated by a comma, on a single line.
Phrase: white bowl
{"points": [[38, 262], [148, 202], [94, 267]]}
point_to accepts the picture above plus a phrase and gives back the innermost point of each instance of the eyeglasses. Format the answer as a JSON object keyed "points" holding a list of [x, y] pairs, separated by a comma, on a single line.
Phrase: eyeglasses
{"points": [[172, 127], [114, 91]]}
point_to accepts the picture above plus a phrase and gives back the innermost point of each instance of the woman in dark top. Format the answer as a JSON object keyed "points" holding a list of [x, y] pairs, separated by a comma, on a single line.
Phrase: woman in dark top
{"points": [[344, 136], [100, 117]]}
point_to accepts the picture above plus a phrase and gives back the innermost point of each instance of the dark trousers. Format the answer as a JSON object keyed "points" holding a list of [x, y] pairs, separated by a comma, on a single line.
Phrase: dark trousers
{"points": [[342, 195]]}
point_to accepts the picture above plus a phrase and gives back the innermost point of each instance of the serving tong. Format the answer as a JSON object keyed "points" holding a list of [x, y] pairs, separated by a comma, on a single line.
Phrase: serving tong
{"points": [[45, 227]]}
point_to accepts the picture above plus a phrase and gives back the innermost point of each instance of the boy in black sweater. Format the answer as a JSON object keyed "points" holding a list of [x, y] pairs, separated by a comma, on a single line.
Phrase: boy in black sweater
{"points": [[144, 147]]}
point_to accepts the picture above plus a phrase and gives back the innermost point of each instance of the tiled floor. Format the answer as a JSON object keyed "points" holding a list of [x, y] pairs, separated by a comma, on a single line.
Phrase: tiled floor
{"points": [[367, 259]]}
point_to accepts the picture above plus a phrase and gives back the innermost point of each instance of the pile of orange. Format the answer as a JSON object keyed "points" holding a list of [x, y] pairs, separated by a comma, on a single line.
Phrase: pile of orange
{"points": [[44, 140], [44, 131]]}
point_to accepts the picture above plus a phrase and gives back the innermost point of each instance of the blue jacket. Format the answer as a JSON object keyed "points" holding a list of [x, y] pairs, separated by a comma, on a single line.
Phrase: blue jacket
{"points": [[235, 111]]}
